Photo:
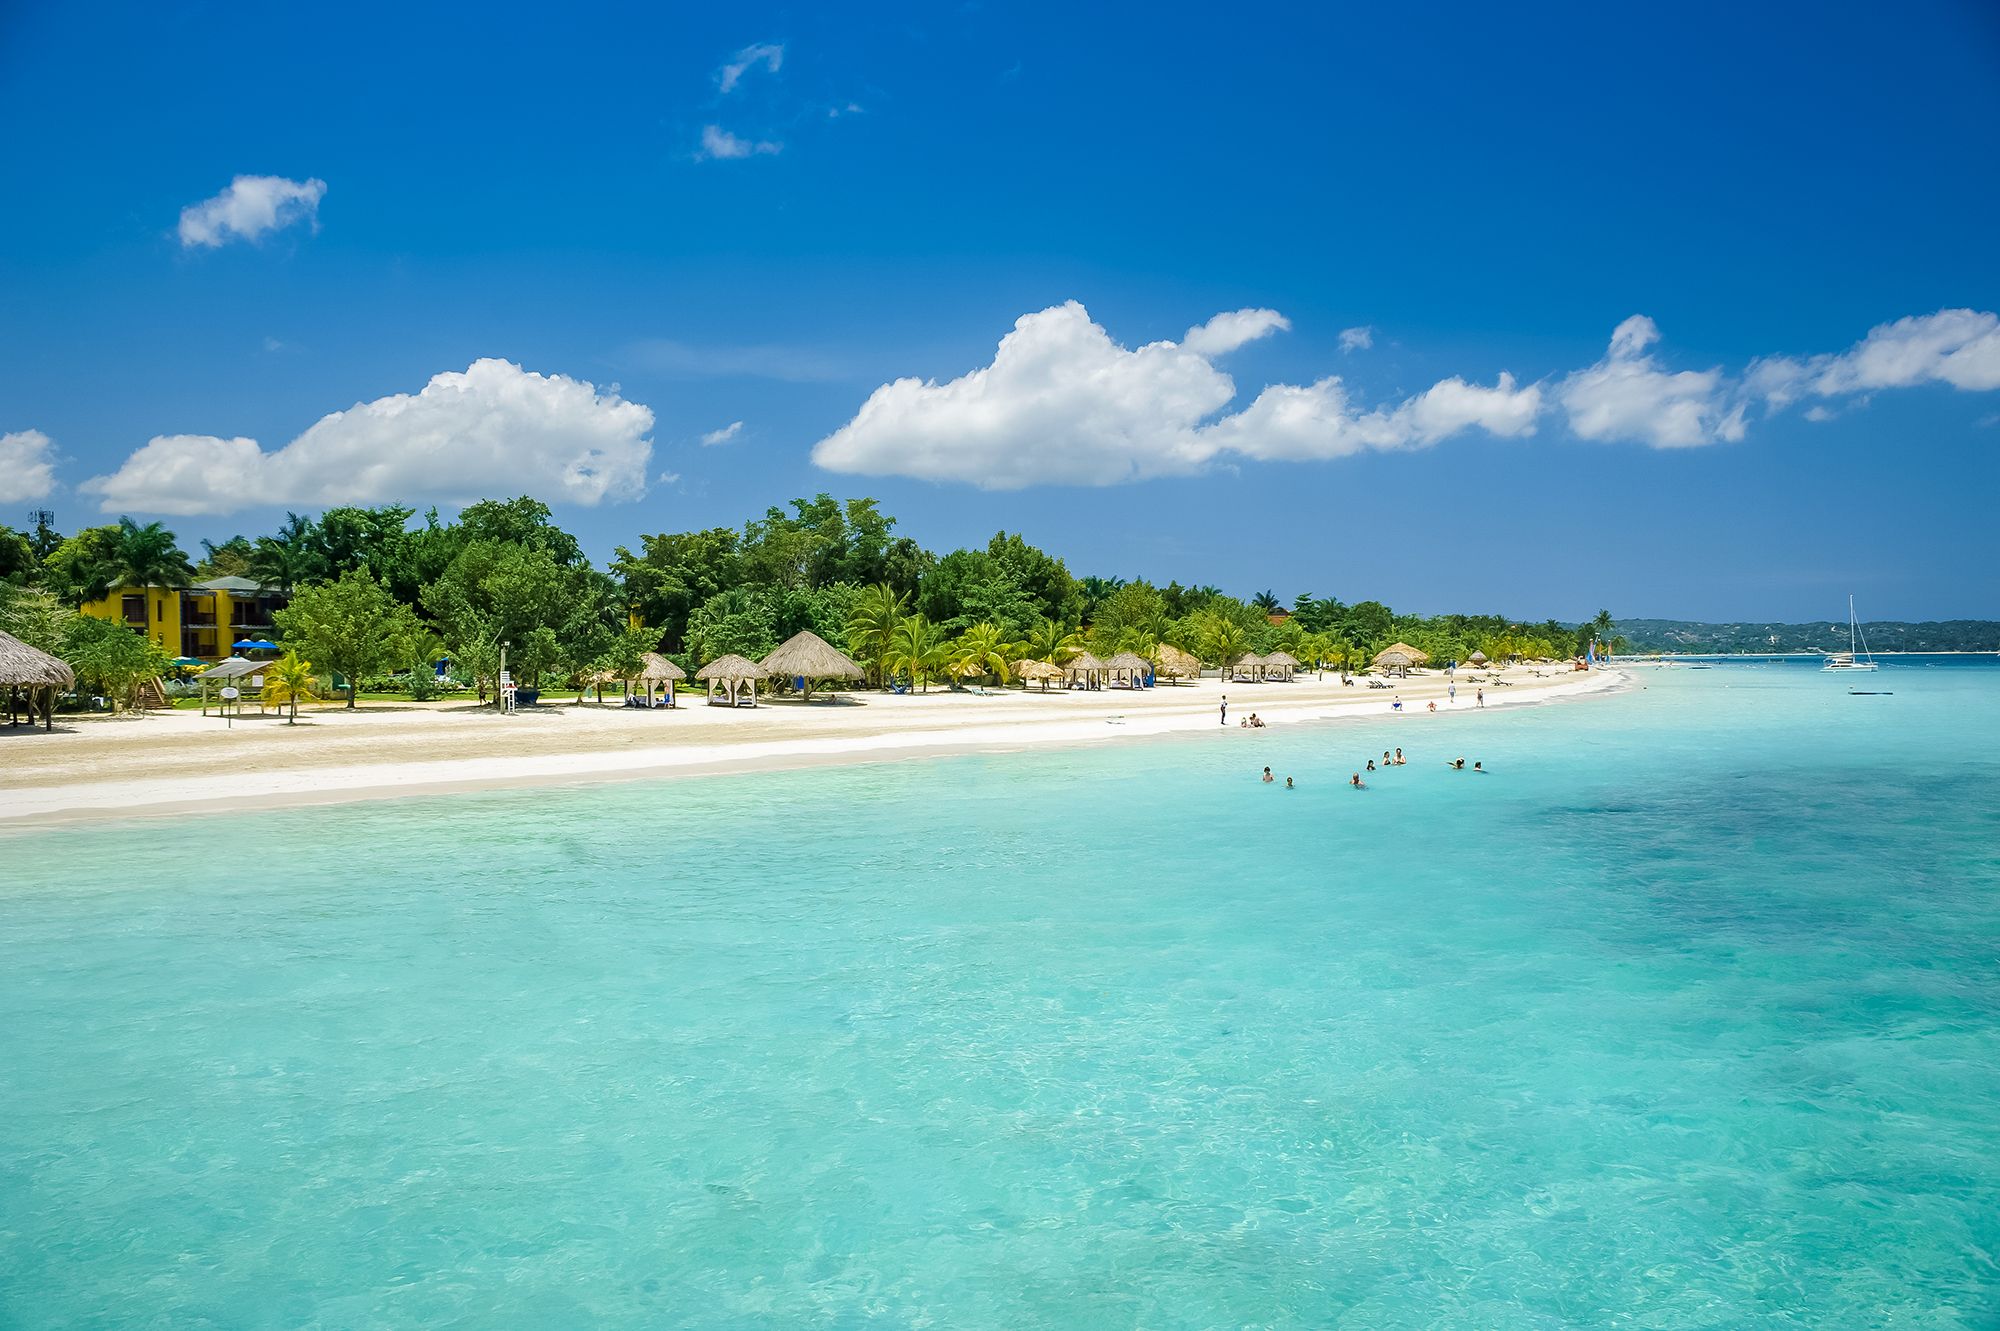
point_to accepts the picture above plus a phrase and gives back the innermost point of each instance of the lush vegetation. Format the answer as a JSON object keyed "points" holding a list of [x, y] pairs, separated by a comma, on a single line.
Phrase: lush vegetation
{"points": [[377, 593], [1675, 635]]}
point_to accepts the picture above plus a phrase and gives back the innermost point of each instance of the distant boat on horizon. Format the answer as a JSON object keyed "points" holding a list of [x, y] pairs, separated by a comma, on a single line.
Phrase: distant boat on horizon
{"points": [[1849, 660]]}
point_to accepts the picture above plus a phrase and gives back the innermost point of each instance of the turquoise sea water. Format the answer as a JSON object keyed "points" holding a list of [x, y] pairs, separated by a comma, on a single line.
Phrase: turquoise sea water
{"points": [[1688, 1015]]}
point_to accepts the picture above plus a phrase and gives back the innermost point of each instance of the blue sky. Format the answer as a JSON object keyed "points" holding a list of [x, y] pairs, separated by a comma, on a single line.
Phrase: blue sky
{"points": [[610, 254]]}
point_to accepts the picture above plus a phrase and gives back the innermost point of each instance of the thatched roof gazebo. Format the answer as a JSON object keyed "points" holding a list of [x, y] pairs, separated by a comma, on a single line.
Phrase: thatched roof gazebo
{"points": [[1086, 665], [805, 656], [33, 680], [1477, 658], [1400, 656], [1248, 666], [1280, 665], [1025, 670], [733, 673], [1173, 663], [1131, 665]]}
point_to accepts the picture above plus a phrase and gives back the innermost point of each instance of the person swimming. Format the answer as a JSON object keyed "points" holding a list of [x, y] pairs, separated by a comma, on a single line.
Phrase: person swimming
{"points": [[1399, 757], [1267, 775], [1355, 781], [1289, 785], [1457, 766], [1477, 768], [1371, 764]]}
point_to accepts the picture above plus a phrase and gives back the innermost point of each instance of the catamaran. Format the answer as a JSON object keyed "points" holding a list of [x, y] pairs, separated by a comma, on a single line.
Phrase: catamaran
{"points": [[1850, 659]]}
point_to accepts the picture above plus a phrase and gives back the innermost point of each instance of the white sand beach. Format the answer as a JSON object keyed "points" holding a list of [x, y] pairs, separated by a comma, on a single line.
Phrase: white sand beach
{"points": [[166, 762]]}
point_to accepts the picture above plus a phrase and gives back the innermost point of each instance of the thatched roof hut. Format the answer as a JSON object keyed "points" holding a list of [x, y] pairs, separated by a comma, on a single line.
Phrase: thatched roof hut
{"points": [[1174, 663], [1131, 665], [1477, 658], [1025, 670], [1409, 653], [659, 670], [1280, 664], [1247, 666], [32, 676], [807, 656], [734, 673]]}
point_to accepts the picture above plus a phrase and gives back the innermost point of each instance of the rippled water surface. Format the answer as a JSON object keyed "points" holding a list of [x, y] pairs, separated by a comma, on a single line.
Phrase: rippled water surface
{"points": [[1688, 1015]]}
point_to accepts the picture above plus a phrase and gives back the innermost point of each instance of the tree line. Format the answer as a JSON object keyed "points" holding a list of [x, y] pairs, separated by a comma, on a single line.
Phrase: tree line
{"points": [[376, 594]]}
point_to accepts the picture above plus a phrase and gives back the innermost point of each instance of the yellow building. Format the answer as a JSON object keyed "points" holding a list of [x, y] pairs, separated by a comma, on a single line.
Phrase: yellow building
{"points": [[199, 621]]}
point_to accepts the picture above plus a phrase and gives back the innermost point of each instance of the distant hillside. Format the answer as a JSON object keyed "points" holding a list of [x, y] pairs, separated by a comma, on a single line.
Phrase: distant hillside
{"points": [[1680, 635]]}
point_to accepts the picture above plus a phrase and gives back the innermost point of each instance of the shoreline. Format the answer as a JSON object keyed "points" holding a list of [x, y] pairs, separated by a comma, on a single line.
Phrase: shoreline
{"points": [[311, 769]]}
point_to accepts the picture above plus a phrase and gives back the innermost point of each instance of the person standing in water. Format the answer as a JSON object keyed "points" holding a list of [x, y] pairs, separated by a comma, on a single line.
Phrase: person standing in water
{"points": [[1267, 776], [1225, 709]]}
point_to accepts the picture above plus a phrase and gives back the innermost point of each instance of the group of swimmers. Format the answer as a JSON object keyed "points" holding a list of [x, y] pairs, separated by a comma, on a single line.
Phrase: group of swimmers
{"points": [[1389, 759]]}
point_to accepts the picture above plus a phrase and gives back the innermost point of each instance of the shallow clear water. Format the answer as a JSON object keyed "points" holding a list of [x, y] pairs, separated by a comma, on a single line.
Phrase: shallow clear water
{"points": [[1686, 1016]]}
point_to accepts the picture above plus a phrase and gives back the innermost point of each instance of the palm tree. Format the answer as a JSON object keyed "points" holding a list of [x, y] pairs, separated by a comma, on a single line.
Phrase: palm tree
{"points": [[1265, 601], [146, 557], [918, 648], [1223, 641], [287, 559], [289, 680], [871, 626], [1096, 591], [1051, 641], [980, 650]]}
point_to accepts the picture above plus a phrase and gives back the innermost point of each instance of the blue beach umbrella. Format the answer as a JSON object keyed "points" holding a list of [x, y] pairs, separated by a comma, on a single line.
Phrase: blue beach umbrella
{"points": [[253, 645]]}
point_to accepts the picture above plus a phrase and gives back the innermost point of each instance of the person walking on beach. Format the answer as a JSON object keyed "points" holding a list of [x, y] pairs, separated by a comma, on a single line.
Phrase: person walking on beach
{"points": [[1451, 692], [1225, 709], [1480, 695]]}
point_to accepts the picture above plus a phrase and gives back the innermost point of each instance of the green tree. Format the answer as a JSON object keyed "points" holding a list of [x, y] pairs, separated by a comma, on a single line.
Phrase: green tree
{"points": [[871, 626], [145, 555], [495, 592], [289, 680], [1050, 640], [1131, 606], [36, 617], [675, 572], [1265, 601], [225, 559], [918, 648], [352, 626], [736, 621], [980, 650], [18, 562], [111, 656]]}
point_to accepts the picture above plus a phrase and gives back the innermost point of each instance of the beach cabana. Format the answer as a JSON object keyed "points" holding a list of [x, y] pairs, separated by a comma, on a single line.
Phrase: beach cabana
{"points": [[1086, 667], [1248, 668], [737, 677], [1132, 666], [33, 680], [1175, 664], [805, 656], [659, 673], [1025, 670], [1280, 665], [1477, 658]]}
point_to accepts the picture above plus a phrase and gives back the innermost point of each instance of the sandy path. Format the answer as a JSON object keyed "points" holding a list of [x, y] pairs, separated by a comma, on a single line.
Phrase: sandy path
{"points": [[167, 762]]}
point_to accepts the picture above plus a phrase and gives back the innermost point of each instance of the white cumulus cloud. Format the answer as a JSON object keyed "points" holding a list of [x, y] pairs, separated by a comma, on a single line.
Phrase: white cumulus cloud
{"points": [[1064, 404], [252, 206], [495, 423], [770, 55], [1956, 347], [723, 435], [27, 466], [1357, 339], [1226, 332], [718, 144], [1628, 397]]}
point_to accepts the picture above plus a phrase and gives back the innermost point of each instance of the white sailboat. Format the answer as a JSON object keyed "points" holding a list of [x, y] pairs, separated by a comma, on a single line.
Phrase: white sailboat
{"points": [[1854, 658]]}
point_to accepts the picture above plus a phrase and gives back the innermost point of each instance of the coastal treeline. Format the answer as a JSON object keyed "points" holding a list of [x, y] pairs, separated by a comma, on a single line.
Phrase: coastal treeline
{"points": [[377, 594]]}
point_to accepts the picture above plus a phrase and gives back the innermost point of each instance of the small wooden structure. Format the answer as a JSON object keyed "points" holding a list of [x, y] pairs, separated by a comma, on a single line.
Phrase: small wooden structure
{"points": [[1248, 668], [230, 674], [1132, 666], [1280, 665], [1399, 657], [806, 657], [33, 680], [1174, 664], [1478, 658], [1087, 668], [1025, 670], [737, 676]]}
